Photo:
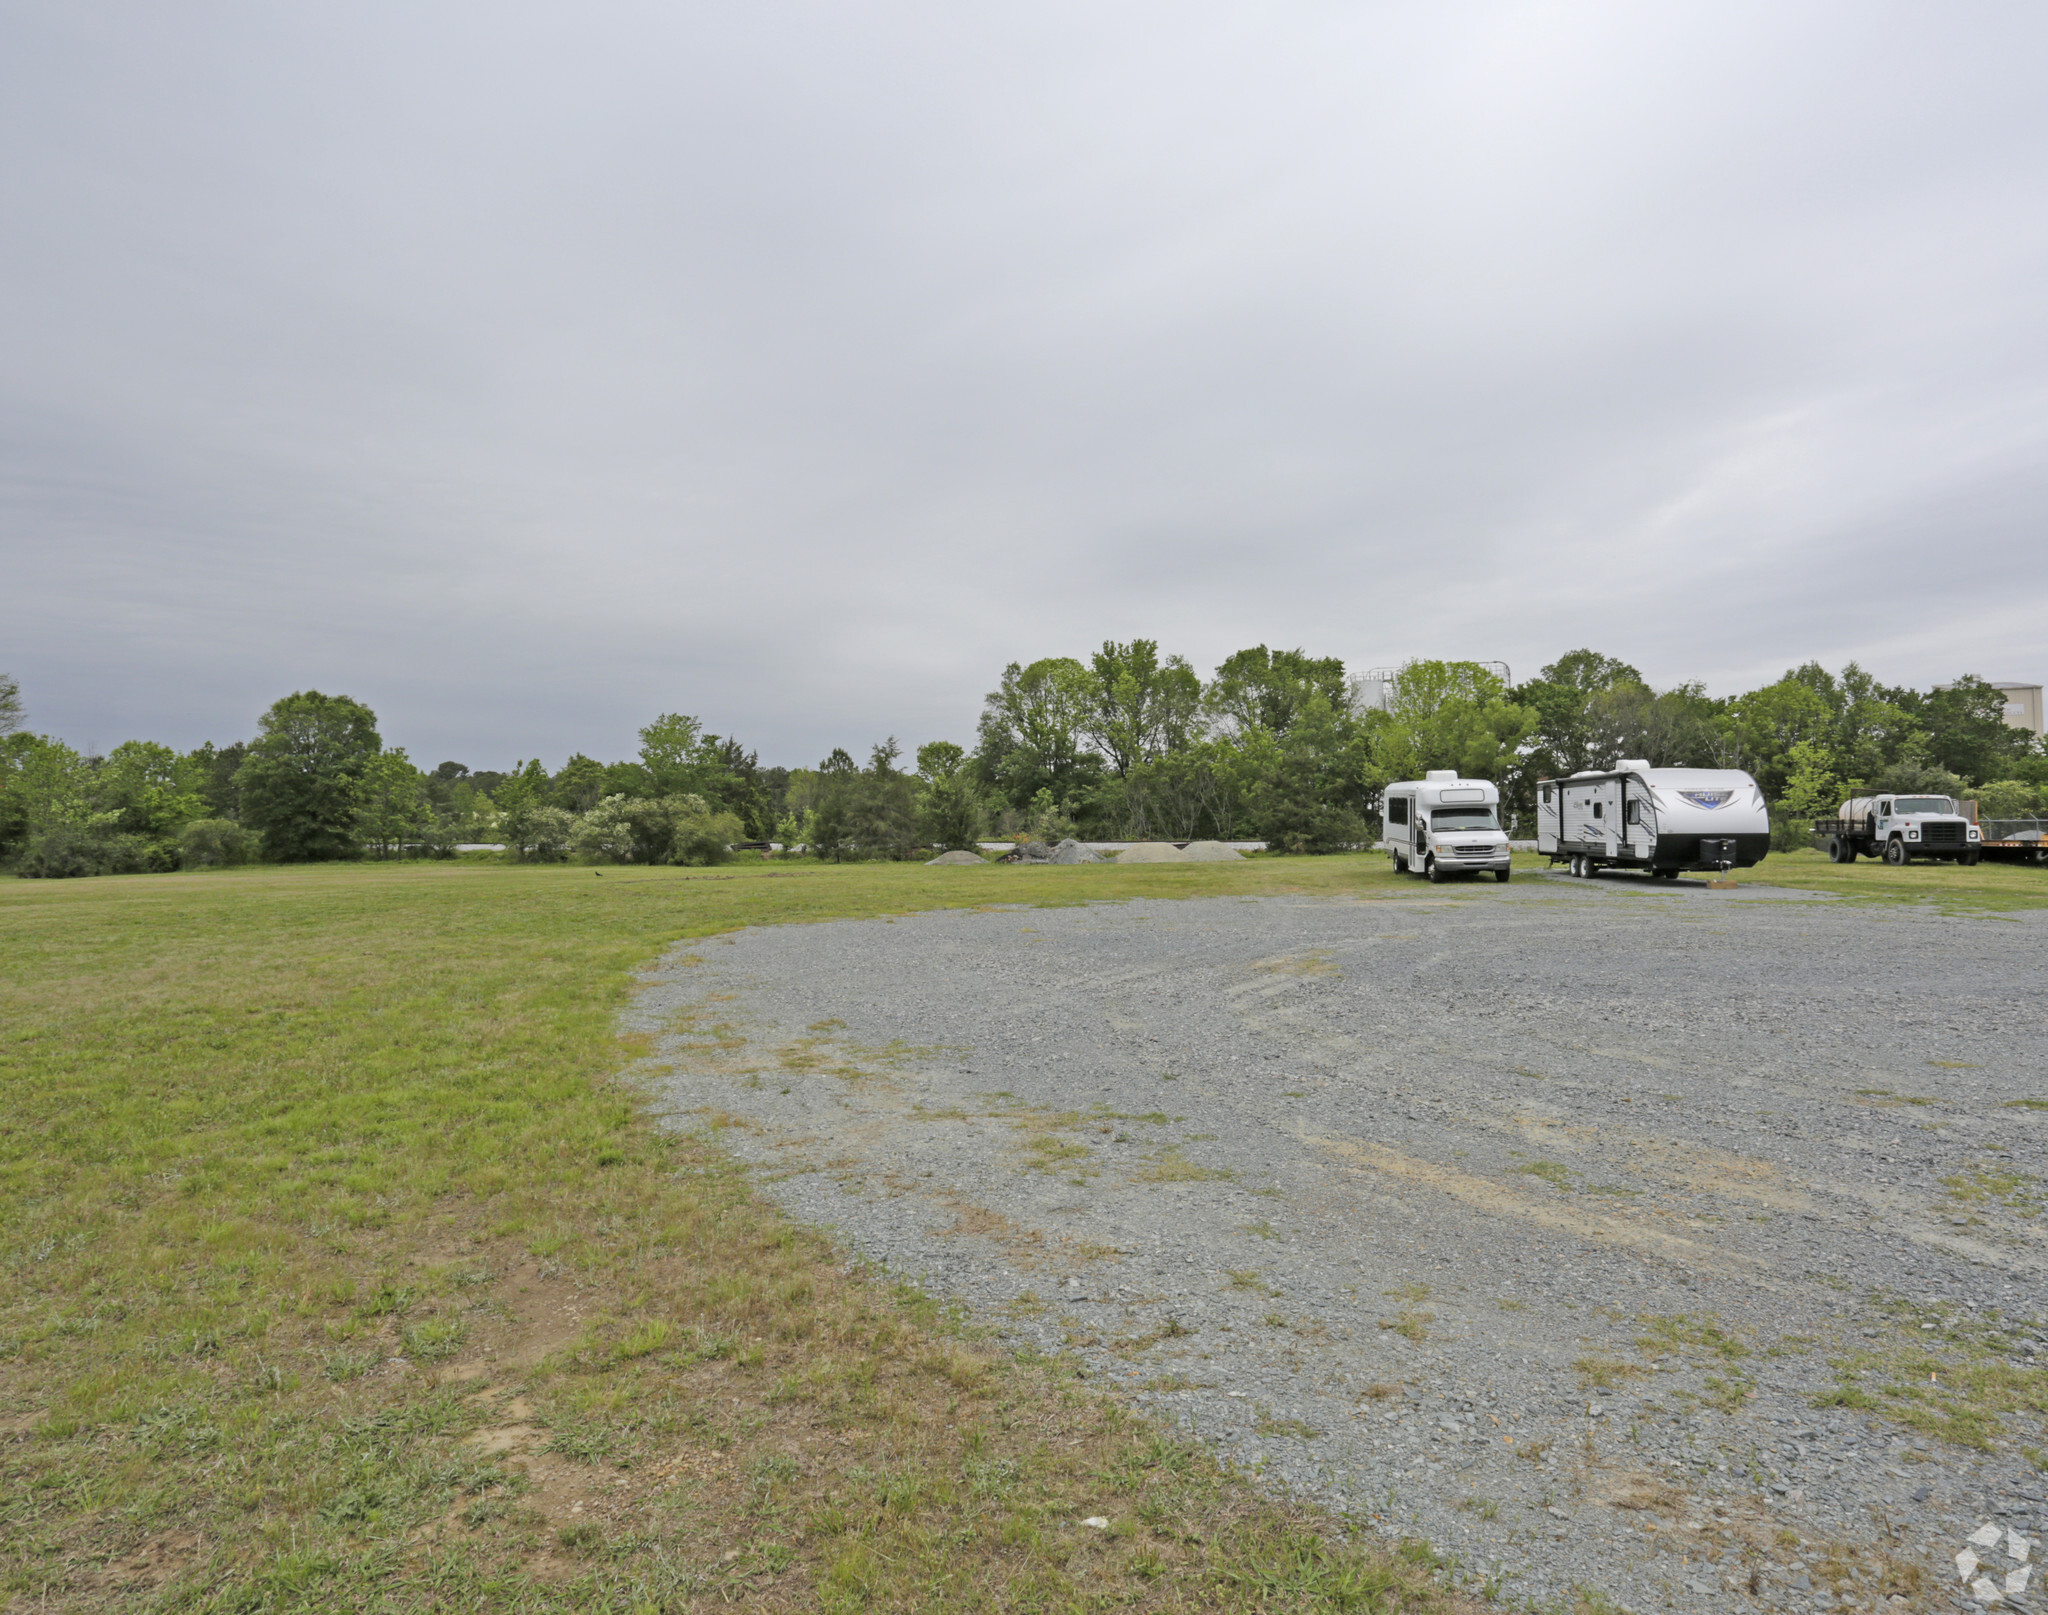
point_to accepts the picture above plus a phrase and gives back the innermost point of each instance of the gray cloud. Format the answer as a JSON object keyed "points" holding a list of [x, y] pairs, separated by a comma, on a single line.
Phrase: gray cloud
{"points": [[526, 371]]}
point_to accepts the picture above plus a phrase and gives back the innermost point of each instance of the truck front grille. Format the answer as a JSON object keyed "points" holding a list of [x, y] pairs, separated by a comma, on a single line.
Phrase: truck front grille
{"points": [[1948, 835], [1473, 852]]}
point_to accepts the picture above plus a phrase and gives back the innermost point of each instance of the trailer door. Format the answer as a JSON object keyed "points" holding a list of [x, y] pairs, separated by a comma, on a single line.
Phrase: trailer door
{"points": [[1639, 819]]}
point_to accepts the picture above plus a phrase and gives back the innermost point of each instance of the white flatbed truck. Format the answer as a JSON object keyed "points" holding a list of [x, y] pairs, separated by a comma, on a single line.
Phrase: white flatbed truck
{"points": [[1899, 828]]}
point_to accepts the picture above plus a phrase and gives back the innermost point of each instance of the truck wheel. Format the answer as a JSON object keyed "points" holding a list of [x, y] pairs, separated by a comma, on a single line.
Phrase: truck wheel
{"points": [[1969, 857], [1501, 875], [1836, 850], [1435, 872], [1895, 852]]}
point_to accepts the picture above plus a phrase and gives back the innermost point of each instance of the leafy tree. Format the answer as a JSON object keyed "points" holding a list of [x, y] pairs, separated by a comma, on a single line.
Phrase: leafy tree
{"points": [[1967, 731], [1309, 789], [1262, 689], [1447, 715], [140, 787], [393, 813], [44, 784], [1135, 706], [209, 773], [606, 831], [680, 759], [1032, 733], [1190, 792], [299, 781], [949, 810], [579, 787], [10, 704], [736, 787], [2008, 799]]}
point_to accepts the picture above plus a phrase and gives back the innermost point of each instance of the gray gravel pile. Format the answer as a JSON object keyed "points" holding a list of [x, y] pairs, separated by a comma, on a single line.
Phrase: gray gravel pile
{"points": [[1211, 852], [1152, 852], [1071, 851], [956, 858], [1526, 1219]]}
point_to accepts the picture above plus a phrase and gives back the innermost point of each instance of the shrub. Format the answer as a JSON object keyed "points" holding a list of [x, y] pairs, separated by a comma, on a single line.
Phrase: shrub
{"points": [[69, 850], [213, 844], [702, 836], [2008, 799], [535, 834]]}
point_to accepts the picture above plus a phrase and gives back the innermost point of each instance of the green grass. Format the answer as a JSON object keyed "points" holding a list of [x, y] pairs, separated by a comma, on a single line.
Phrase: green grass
{"points": [[311, 1177], [1985, 887]]}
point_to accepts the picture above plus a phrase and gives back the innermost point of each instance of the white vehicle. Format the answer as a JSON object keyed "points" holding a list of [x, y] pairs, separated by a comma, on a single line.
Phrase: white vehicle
{"points": [[1659, 820], [1898, 829], [1441, 825]]}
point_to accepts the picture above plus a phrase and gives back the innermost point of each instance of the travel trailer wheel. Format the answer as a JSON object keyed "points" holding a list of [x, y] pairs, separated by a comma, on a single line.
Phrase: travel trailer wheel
{"points": [[1895, 852]]}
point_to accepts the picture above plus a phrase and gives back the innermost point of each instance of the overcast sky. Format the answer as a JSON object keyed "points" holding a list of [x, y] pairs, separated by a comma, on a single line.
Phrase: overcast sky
{"points": [[525, 371]]}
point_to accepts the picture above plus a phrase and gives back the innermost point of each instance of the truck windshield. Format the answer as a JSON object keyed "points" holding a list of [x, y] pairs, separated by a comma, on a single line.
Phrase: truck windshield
{"points": [[1923, 804], [1471, 818]]}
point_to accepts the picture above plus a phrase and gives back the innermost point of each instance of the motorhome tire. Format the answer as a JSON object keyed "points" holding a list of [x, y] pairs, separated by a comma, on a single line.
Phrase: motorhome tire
{"points": [[1435, 872], [1895, 852], [1501, 875], [1400, 864]]}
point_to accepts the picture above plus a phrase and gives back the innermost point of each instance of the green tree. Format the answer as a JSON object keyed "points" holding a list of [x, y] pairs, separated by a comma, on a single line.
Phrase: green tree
{"points": [[1136, 707], [1967, 731], [680, 759], [1262, 689], [1033, 730], [298, 783], [142, 789], [10, 705], [1455, 715], [210, 773], [949, 809], [44, 786], [579, 787], [393, 813], [1309, 787]]}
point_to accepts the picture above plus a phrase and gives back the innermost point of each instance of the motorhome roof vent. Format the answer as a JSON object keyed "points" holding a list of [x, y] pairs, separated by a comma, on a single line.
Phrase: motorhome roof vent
{"points": [[1437, 776], [1632, 765]]}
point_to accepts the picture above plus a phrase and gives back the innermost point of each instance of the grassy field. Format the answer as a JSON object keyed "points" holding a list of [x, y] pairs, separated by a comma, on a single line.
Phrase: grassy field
{"points": [[319, 1193]]}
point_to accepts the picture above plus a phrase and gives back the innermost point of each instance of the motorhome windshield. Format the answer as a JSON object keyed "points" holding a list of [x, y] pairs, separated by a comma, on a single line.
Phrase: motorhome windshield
{"points": [[1463, 818], [1922, 804]]}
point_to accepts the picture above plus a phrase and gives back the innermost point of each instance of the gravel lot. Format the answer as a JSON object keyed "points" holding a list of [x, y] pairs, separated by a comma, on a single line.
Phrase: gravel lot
{"points": [[1526, 1219]]}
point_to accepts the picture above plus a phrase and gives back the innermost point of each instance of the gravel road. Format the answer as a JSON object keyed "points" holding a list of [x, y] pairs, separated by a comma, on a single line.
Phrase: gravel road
{"points": [[1526, 1219]]}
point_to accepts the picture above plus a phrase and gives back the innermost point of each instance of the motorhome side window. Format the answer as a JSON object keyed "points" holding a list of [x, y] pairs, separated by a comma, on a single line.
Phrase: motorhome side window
{"points": [[1397, 810]]}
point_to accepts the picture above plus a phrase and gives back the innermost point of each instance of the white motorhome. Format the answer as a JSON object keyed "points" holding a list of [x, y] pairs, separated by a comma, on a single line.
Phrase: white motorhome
{"points": [[1441, 825], [1659, 820]]}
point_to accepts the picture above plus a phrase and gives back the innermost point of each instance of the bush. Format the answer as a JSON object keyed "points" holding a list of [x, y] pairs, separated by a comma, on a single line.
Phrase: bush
{"points": [[2008, 799], [213, 844], [71, 850], [704, 837], [537, 834]]}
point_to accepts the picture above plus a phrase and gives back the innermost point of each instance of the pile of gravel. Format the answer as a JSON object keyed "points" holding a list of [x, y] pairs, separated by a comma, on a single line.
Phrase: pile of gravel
{"points": [[956, 859], [1071, 851], [1152, 852], [1211, 852]]}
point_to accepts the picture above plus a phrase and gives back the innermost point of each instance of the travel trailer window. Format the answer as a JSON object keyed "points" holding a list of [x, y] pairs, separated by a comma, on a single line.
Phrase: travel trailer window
{"points": [[1599, 810], [1397, 810], [1923, 804], [1632, 812], [1463, 818], [1546, 793]]}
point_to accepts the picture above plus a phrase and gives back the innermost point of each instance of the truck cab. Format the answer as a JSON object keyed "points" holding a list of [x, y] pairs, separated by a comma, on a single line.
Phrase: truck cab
{"points": [[1442, 825]]}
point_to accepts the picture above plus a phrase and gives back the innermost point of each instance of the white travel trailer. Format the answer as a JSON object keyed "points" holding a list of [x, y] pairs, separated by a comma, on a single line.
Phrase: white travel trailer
{"points": [[1441, 825], [1659, 820]]}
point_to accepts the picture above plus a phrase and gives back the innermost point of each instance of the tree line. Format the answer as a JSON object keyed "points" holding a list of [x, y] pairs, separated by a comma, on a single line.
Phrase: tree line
{"points": [[1129, 744]]}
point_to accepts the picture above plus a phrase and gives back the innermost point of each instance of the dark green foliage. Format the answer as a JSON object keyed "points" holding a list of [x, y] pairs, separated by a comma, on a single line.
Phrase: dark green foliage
{"points": [[213, 844], [68, 850], [950, 814], [299, 780], [865, 813]]}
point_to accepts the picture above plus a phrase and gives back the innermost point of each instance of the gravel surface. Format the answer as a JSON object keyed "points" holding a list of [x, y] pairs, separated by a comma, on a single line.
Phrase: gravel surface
{"points": [[1525, 1219]]}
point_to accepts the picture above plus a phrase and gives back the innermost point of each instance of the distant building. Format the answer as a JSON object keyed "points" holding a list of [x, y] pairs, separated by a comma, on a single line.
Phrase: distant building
{"points": [[2022, 705]]}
